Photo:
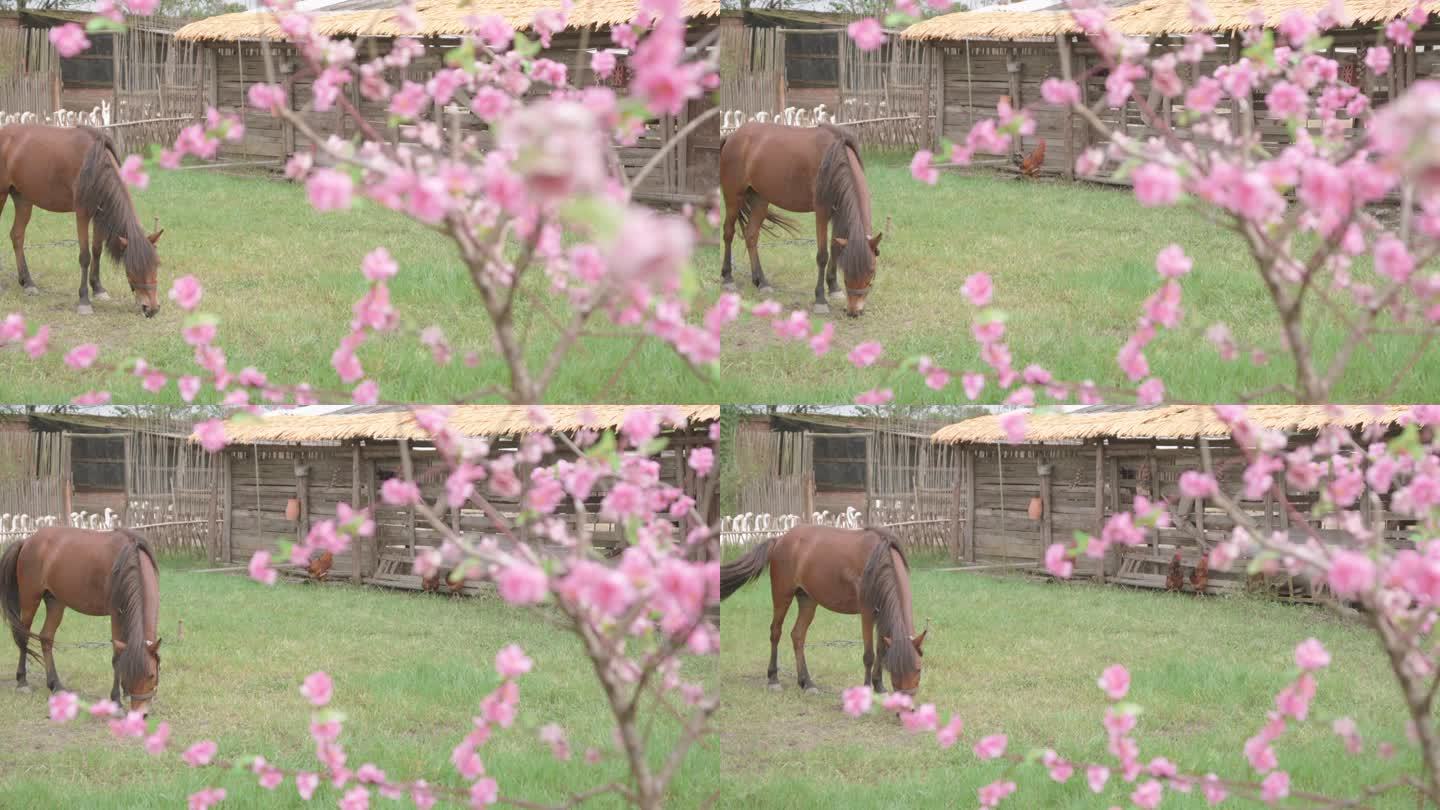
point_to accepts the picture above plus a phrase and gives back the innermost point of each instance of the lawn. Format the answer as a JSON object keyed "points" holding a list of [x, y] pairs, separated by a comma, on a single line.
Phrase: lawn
{"points": [[402, 663], [1022, 657], [1073, 265]]}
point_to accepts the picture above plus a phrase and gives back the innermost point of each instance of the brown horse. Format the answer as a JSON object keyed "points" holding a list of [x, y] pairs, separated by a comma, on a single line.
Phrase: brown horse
{"points": [[847, 571], [64, 169], [801, 169], [99, 574]]}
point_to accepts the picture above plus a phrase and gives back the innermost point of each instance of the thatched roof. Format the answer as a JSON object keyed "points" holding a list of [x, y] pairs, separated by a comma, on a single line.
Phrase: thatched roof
{"points": [[467, 420], [1169, 422], [440, 18], [1151, 18]]}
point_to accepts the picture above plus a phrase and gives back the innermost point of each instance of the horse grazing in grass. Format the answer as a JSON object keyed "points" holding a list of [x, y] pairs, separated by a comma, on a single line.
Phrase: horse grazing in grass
{"points": [[65, 169], [848, 571], [99, 574], [801, 169]]}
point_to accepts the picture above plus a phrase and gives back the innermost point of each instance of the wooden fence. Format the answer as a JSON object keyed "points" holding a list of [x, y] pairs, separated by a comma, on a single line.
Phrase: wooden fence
{"points": [[171, 486], [157, 77], [37, 93], [34, 481]]}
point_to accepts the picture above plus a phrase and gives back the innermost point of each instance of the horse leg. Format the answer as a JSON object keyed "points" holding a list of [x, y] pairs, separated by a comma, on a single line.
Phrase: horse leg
{"points": [[23, 208], [82, 226], [732, 213], [54, 612], [797, 637], [115, 634], [777, 623], [758, 209], [27, 618], [822, 258], [97, 247], [877, 675], [867, 625], [835, 291]]}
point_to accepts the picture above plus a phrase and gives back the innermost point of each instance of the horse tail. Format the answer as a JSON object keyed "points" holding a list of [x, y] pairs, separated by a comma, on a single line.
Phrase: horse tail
{"points": [[100, 191], [735, 575], [10, 597], [774, 223]]}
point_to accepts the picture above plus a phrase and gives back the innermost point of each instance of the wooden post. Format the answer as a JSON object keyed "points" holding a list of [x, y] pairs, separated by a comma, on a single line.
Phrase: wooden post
{"points": [[970, 518], [1068, 59], [1012, 69], [359, 549], [302, 493], [408, 470], [869, 488], [1154, 496], [228, 518], [937, 80], [212, 542], [1047, 526], [1100, 501], [373, 563], [956, 514]]}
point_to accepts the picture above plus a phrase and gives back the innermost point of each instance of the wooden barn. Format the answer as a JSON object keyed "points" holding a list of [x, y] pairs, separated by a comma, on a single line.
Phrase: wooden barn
{"points": [[283, 473], [235, 61], [982, 56], [1076, 469]]}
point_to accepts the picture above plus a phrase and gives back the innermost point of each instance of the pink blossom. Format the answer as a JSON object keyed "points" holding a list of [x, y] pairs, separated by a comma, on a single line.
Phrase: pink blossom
{"points": [[603, 63], [1097, 776], [1275, 787], [305, 784], [205, 799], [867, 34], [155, 743], [39, 343], [131, 725], [1013, 423], [484, 793], [317, 688], [875, 396], [1057, 561], [82, 356], [1172, 262], [132, 172], [947, 735], [64, 706], [978, 288], [356, 798], [973, 383], [329, 190], [266, 97], [1150, 392], [995, 792], [260, 569], [1392, 260], [1060, 92], [1310, 655], [897, 701], [399, 492], [1115, 680], [69, 39], [1286, 100], [1214, 789], [378, 265], [1194, 484], [923, 718], [1378, 60], [865, 354], [511, 662], [200, 754], [991, 747], [857, 700], [1148, 795], [1351, 573], [522, 584], [104, 708], [186, 292], [1156, 185]]}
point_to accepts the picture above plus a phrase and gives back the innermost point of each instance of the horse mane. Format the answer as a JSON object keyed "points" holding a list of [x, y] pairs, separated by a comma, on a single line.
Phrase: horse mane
{"points": [[880, 590], [100, 191], [838, 188], [127, 603]]}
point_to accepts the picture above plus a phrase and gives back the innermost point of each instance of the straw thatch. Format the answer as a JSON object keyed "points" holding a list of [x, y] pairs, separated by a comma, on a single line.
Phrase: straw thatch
{"points": [[1170, 422], [440, 18], [1152, 18], [466, 420]]}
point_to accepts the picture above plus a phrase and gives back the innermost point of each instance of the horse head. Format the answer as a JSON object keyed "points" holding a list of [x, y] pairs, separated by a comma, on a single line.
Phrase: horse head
{"points": [[140, 682], [904, 669], [144, 278], [857, 284]]}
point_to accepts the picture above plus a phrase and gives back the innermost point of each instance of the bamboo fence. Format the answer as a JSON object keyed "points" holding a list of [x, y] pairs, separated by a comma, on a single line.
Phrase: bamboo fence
{"points": [[170, 485], [34, 480]]}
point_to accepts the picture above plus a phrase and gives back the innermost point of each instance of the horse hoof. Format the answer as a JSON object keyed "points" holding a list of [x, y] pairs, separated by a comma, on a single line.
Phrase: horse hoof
{"points": [[775, 687], [728, 286], [766, 288], [837, 293], [102, 296], [812, 690], [23, 689], [85, 309], [32, 290], [821, 309]]}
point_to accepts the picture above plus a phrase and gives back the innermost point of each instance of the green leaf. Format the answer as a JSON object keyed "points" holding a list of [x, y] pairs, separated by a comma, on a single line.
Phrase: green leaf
{"points": [[103, 25], [1263, 50], [601, 216], [604, 448], [897, 20], [330, 716], [1319, 44], [1257, 564], [201, 319], [1082, 542], [1034, 755], [462, 57], [991, 315], [655, 446], [526, 46], [1131, 709], [284, 549], [689, 282]]}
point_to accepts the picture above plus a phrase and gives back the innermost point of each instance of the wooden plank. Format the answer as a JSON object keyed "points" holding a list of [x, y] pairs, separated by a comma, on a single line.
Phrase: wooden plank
{"points": [[408, 470], [229, 521], [1100, 502], [957, 512], [355, 502], [970, 503], [1047, 526]]}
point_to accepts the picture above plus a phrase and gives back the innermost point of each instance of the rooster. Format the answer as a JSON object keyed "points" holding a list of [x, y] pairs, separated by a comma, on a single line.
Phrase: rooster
{"points": [[320, 566], [430, 583], [1175, 581], [456, 581], [1030, 166], [1201, 576]]}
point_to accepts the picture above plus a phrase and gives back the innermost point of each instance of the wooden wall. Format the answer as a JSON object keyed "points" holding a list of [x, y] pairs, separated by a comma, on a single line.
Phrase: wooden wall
{"points": [[261, 480], [1081, 486], [686, 174], [976, 74]]}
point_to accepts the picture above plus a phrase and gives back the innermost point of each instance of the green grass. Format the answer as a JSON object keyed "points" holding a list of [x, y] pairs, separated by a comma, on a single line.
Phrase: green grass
{"points": [[1073, 265], [1022, 657], [403, 665]]}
